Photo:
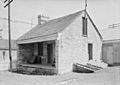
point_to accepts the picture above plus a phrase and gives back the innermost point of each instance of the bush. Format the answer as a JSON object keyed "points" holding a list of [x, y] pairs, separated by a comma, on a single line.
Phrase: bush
{"points": [[40, 71]]}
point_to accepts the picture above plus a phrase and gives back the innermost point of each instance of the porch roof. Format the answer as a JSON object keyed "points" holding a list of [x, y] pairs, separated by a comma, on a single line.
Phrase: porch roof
{"points": [[39, 39], [48, 30]]}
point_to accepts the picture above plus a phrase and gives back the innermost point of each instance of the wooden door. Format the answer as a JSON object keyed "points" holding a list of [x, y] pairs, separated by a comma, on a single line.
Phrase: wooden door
{"points": [[104, 54], [116, 55], [110, 54], [50, 52]]}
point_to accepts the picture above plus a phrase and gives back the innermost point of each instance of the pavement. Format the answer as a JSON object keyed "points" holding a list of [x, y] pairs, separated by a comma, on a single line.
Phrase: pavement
{"points": [[107, 76]]}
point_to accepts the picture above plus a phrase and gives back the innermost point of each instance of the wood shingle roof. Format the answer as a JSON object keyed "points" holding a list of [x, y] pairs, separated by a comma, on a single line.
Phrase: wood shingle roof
{"points": [[51, 27]]}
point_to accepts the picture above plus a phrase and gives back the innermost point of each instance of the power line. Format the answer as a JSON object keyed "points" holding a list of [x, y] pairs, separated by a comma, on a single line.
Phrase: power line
{"points": [[17, 21], [114, 25]]}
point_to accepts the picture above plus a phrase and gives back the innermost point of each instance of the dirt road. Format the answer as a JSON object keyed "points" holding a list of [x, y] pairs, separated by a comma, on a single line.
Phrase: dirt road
{"points": [[108, 76]]}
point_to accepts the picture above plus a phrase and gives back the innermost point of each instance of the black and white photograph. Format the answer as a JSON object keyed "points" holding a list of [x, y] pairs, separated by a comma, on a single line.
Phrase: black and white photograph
{"points": [[59, 42]]}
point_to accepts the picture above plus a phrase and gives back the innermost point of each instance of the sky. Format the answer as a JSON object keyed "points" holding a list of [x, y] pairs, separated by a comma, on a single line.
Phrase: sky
{"points": [[103, 12]]}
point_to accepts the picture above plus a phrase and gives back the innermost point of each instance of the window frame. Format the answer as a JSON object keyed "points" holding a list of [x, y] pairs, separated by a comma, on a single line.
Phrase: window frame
{"points": [[84, 27]]}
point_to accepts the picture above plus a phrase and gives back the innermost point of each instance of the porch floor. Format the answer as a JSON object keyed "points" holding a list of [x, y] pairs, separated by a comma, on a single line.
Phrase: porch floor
{"points": [[38, 66]]}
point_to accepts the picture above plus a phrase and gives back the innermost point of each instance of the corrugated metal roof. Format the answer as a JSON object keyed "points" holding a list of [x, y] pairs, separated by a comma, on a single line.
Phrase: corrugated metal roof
{"points": [[50, 27], [4, 44], [111, 34]]}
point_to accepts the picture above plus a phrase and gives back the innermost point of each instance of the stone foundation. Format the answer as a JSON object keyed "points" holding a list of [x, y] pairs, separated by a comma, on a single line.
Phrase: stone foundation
{"points": [[34, 70]]}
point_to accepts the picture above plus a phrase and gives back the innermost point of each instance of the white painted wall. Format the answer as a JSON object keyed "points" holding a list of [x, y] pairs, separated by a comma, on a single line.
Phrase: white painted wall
{"points": [[4, 62], [73, 47]]}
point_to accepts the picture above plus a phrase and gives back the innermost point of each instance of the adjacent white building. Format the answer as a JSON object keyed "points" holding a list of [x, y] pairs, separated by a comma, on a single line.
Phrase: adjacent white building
{"points": [[111, 46], [4, 53]]}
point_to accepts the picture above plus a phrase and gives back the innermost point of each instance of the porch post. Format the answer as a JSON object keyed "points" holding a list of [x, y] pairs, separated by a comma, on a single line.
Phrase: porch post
{"points": [[44, 60], [56, 55], [36, 49]]}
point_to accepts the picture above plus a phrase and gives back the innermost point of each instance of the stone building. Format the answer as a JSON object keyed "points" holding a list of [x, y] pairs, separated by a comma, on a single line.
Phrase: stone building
{"points": [[59, 43]]}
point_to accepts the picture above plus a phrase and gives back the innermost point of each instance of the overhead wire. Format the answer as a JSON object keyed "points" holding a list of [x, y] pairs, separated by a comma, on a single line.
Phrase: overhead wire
{"points": [[17, 21]]}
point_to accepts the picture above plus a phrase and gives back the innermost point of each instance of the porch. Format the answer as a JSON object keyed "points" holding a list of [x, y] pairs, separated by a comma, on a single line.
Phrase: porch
{"points": [[39, 55]]}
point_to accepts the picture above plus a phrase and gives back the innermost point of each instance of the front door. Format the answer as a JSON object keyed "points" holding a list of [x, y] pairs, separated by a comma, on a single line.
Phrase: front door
{"points": [[50, 52]]}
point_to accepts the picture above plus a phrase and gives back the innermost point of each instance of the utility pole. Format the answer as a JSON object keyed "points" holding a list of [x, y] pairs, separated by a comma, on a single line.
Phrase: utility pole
{"points": [[85, 8], [9, 31], [1, 33]]}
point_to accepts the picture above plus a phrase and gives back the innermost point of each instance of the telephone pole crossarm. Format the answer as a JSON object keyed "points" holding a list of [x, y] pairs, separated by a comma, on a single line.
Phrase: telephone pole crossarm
{"points": [[7, 3]]}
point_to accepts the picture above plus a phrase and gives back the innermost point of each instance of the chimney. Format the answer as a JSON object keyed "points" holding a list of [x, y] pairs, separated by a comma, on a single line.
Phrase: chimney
{"points": [[39, 19]]}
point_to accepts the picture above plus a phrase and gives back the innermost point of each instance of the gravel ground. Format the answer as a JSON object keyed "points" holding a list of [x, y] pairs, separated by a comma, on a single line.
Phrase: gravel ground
{"points": [[107, 76]]}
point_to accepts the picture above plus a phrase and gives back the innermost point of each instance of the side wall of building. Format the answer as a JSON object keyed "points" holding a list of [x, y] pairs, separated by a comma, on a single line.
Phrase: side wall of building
{"points": [[25, 53], [94, 38], [111, 53], [73, 47]]}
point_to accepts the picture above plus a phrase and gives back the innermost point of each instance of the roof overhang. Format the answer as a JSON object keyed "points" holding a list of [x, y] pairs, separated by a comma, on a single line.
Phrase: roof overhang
{"points": [[8, 49], [96, 29], [112, 41], [38, 39]]}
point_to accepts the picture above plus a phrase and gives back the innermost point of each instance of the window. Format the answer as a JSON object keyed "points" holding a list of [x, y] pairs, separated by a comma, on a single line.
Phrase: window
{"points": [[4, 55], [90, 51], [84, 26]]}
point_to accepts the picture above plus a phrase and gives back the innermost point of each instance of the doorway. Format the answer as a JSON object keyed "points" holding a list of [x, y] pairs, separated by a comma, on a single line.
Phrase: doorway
{"points": [[110, 55], [50, 52], [90, 51]]}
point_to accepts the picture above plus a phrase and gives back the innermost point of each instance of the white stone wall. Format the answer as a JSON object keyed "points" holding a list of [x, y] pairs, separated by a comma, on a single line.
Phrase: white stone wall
{"points": [[73, 47], [94, 38], [4, 61]]}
